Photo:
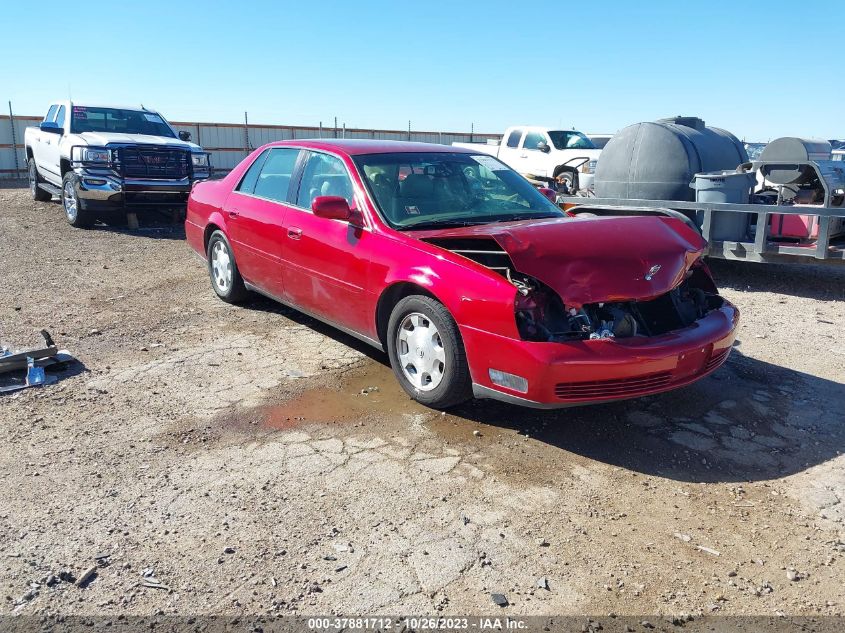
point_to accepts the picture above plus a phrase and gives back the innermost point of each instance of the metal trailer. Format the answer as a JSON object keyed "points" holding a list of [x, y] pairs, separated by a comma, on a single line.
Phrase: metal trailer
{"points": [[762, 247]]}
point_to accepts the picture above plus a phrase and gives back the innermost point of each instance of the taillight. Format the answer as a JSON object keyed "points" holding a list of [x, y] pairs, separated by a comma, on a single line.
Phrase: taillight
{"points": [[589, 167]]}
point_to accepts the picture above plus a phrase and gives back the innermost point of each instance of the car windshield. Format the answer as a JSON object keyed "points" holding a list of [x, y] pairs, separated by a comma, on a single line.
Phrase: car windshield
{"points": [[87, 119], [571, 140], [434, 189]]}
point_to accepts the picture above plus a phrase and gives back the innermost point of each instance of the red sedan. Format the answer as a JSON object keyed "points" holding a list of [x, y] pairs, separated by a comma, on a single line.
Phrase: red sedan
{"points": [[471, 280]]}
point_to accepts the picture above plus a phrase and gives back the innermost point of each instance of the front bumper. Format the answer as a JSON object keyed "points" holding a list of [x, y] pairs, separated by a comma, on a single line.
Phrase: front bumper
{"points": [[603, 370], [103, 188]]}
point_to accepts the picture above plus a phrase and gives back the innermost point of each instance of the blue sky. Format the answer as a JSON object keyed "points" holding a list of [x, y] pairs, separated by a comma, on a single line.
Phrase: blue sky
{"points": [[760, 70]]}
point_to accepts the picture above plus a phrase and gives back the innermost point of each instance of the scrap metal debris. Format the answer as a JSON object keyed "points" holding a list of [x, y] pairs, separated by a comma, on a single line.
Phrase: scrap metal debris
{"points": [[152, 582], [26, 368]]}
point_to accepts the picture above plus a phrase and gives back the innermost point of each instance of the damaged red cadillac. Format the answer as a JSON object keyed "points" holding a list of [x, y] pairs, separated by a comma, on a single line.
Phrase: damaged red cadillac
{"points": [[471, 280]]}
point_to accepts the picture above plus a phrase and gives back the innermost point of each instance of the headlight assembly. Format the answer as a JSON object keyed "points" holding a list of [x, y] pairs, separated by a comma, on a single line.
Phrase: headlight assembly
{"points": [[92, 154], [200, 160]]}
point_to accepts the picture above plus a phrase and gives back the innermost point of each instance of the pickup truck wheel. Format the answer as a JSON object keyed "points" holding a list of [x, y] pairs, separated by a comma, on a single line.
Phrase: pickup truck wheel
{"points": [[226, 280], [427, 354], [75, 214], [37, 193]]}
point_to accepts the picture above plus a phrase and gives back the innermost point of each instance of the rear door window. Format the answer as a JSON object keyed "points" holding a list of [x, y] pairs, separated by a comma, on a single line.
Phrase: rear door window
{"points": [[513, 138], [274, 180], [533, 139], [247, 184]]}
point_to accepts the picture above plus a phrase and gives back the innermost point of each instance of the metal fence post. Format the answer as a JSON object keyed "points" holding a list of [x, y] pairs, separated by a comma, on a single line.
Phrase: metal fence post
{"points": [[409, 130], [14, 140], [246, 134]]}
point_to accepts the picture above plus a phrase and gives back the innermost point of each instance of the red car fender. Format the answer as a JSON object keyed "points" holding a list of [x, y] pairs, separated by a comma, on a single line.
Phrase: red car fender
{"points": [[481, 299]]}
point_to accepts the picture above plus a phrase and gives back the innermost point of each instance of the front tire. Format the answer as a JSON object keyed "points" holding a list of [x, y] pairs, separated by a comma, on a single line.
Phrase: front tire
{"points": [[76, 215], [37, 193], [226, 280], [427, 353]]}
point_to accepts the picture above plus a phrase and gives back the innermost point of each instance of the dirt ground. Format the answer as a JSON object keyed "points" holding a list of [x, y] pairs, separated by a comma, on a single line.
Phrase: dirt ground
{"points": [[251, 460]]}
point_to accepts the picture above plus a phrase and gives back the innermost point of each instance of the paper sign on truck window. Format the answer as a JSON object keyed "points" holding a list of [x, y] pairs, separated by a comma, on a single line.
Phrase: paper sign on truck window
{"points": [[152, 118], [490, 163]]}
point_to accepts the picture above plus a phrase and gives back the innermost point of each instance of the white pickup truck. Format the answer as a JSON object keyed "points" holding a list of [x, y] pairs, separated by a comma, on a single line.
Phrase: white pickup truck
{"points": [[101, 158], [546, 153]]}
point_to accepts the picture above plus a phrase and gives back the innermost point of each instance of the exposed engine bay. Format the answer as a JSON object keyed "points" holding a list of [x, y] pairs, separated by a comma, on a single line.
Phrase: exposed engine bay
{"points": [[542, 316]]}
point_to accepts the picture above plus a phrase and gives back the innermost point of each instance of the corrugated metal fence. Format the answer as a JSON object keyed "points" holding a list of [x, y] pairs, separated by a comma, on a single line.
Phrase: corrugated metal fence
{"points": [[229, 142]]}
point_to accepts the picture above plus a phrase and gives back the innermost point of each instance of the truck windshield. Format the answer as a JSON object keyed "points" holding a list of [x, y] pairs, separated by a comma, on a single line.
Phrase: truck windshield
{"points": [[571, 140], [426, 189], [87, 119]]}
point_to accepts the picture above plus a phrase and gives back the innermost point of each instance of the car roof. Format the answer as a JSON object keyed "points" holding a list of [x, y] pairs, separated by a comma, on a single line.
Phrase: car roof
{"points": [[356, 147]]}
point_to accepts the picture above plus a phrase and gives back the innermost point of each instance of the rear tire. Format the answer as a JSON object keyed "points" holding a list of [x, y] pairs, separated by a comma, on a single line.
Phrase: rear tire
{"points": [[37, 193], [226, 280], [427, 353], [77, 216]]}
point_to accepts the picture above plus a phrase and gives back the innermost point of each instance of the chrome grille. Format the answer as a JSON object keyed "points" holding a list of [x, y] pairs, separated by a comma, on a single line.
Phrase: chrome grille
{"points": [[154, 162]]}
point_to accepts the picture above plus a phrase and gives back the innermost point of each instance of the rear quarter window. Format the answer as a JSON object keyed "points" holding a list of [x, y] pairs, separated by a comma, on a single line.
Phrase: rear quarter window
{"points": [[247, 184]]}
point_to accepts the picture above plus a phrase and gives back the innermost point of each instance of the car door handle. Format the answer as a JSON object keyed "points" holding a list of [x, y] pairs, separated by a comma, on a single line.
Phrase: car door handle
{"points": [[523, 155], [294, 233], [233, 213]]}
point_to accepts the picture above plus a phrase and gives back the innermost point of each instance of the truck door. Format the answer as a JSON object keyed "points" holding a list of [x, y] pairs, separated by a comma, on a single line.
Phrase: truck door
{"points": [[509, 150], [51, 148], [39, 145], [534, 161]]}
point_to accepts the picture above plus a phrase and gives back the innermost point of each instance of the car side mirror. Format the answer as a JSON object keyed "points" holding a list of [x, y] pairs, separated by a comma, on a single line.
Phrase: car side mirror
{"points": [[50, 126], [544, 147], [184, 136], [331, 208]]}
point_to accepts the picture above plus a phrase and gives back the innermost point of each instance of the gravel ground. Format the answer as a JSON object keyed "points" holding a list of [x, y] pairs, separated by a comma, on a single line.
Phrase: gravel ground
{"points": [[205, 458]]}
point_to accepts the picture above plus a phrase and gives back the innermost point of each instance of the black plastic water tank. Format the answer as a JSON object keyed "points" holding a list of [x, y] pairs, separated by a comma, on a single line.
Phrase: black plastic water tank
{"points": [[791, 148], [657, 160]]}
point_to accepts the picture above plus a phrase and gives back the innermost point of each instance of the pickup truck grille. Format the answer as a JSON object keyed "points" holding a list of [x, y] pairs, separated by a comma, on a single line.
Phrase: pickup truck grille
{"points": [[154, 163]]}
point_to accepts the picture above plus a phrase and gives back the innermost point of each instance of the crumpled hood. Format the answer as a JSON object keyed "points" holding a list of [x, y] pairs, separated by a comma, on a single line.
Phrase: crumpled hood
{"points": [[104, 138], [594, 260]]}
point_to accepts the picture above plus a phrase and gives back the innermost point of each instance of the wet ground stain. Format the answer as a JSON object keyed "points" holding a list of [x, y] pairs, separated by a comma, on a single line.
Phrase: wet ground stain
{"points": [[349, 400]]}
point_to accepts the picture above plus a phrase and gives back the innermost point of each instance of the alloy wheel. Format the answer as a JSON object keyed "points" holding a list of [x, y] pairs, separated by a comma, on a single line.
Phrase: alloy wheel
{"points": [[33, 181], [70, 202]]}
